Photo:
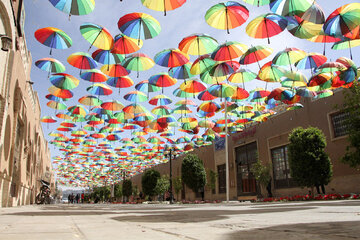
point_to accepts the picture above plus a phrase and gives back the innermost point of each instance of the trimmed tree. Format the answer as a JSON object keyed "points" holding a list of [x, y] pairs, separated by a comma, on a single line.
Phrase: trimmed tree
{"points": [[149, 181], [178, 186], [262, 175], [351, 108], [310, 166], [193, 173], [127, 188], [162, 185]]}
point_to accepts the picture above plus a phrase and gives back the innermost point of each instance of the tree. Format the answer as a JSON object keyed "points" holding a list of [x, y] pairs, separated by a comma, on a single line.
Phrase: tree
{"points": [[309, 163], [135, 190], [193, 173], [118, 191], [149, 181], [127, 188], [162, 185], [178, 186], [262, 175], [212, 180], [351, 108]]}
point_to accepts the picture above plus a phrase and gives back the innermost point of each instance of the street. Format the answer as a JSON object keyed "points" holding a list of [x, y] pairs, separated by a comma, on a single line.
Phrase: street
{"points": [[234, 220]]}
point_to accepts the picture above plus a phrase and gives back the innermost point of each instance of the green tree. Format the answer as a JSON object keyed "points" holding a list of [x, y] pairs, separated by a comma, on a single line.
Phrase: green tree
{"points": [[193, 173], [262, 175], [178, 186], [162, 185], [212, 180], [149, 181], [351, 107], [309, 163], [127, 188], [135, 190], [118, 190]]}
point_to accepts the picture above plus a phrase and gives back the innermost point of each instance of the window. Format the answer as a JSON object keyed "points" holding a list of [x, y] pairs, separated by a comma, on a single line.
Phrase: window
{"points": [[222, 178], [339, 125], [282, 178]]}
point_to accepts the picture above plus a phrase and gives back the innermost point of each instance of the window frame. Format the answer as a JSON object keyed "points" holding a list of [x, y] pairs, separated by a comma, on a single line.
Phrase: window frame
{"points": [[288, 182], [221, 171]]}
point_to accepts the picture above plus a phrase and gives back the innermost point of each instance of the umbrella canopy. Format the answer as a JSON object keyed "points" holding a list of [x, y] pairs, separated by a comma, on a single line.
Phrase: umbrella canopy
{"points": [[202, 64], [228, 51], [224, 68], [303, 29], [255, 54], [99, 89], [115, 70], [81, 60], [53, 38], [266, 26], [343, 20], [198, 44], [97, 36], [94, 75], [50, 65], [74, 7], [226, 15], [257, 3], [171, 58], [290, 7], [126, 45], [161, 100], [136, 96], [181, 72], [107, 57], [64, 81], [90, 100], [163, 5], [162, 80], [61, 93], [120, 82], [139, 26], [192, 86], [138, 62], [221, 90]]}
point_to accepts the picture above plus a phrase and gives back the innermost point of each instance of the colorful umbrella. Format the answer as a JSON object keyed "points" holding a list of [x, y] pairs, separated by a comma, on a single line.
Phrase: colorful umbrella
{"points": [[202, 64], [74, 7], [171, 58], [258, 3], [290, 7], [181, 72], [107, 57], [138, 62], [94, 75], [222, 90], [97, 36], [266, 26], [343, 20], [136, 96], [120, 82], [64, 81], [192, 86], [303, 29], [288, 56], [162, 80], [226, 15], [146, 87], [224, 68], [115, 70], [255, 54], [198, 44], [99, 89], [228, 51], [324, 38], [314, 14], [53, 38], [81, 60], [139, 26], [61, 93], [161, 100], [90, 100], [163, 5], [242, 76], [50, 65], [311, 61], [125, 45], [344, 44]]}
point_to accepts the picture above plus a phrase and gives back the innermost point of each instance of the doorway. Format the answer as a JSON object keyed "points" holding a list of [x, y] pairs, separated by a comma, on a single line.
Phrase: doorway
{"points": [[246, 156]]}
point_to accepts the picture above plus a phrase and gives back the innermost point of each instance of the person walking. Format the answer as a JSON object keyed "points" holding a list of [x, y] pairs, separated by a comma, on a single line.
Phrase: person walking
{"points": [[77, 198], [82, 197]]}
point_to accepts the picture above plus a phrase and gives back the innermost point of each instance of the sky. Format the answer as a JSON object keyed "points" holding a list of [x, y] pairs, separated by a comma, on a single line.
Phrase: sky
{"points": [[178, 24]]}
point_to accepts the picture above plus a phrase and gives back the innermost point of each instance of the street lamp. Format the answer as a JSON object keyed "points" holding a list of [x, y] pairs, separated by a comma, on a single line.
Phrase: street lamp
{"points": [[169, 152], [5, 42]]}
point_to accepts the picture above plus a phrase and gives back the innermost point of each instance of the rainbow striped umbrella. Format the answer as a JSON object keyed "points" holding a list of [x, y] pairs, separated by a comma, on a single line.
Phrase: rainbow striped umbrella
{"points": [[56, 105], [90, 100], [255, 54], [270, 72], [48, 119], [224, 68], [139, 26], [115, 70], [97, 36], [74, 7], [202, 64], [228, 51], [303, 29], [125, 45], [53, 38], [266, 26], [64, 81], [290, 7], [162, 80], [138, 62], [120, 82], [61, 93], [81, 60], [198, 44], [227, 15], [50, 65], [99, 89], [161, 100], [107, 57], [171, 58], [258, 3], [112, 105], [146, 87], [288, 56], [94, 75], [135, 96], [193, 86], [163, 5], [311, 61], [240, 94], [181, 72]]}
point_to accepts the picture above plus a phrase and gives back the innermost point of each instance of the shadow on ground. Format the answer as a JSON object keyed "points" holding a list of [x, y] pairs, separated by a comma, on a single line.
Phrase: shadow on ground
{"points": [[197, 215], [327, 230]]}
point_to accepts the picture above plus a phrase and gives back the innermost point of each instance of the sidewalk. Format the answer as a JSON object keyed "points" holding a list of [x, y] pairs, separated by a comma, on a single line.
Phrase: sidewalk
{"points": [[303, 220]]}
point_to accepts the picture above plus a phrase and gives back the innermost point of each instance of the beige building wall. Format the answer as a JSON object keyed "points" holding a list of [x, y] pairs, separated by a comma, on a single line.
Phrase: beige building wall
{"points": [[24, 153], [269, 135]]}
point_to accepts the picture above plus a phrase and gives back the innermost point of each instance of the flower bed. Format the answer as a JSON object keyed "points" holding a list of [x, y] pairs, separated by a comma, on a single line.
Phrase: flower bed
{"points": [[333, 196]]}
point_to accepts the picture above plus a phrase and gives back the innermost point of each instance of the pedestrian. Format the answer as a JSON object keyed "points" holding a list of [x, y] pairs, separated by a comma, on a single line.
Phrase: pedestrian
{"points": [[82, 197], [69, 198], [77, 198]]}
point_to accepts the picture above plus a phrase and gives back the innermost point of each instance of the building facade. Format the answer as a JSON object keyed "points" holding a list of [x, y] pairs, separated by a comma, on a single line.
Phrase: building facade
{"points": [[24, 153], [268, 140]]}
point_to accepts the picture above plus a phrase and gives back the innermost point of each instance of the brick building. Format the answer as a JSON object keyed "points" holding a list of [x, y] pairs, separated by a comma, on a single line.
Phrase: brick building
{"points": [[24, 153]]}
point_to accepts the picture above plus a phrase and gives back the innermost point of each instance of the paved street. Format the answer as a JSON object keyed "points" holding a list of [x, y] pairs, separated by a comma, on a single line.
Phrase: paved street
{"points": [[305, 220]]}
